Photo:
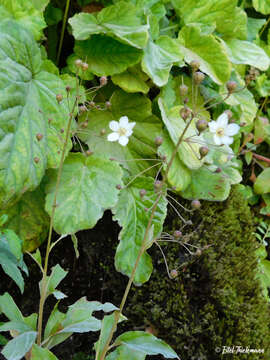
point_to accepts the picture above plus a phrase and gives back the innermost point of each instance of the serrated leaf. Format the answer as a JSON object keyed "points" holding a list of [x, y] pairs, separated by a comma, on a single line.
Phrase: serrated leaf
{"points": [[179, 175], [159, 57], [29, 219], [132, 80], [131, 214], [229, 20], [245, 52], [87, 188], [25, 13], [39, 353], [207, 185], [262, 6], [19, 346], [188, 151], [27, 101], [106, 56], [119, 21], [207, 50], [262, 183], [141, 144], [145, 343]]}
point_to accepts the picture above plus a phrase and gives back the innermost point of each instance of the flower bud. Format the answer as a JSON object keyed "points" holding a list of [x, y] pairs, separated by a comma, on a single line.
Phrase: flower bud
{"points": [[118, 187], [231, 86], [39, 136], [158, 140], [108, 104], [84, 124], [195, 65], [84, 66], [36, 159], [92, 104], [174, 273], [62, 131], [89, 152], [186, 100], [82, 108], [78, 63], [198, 252], [142, 193], [203, 151], [229, 113], [183, 90], [102, 132], [59, 98], [198, 77], [158, 184], [185, 113], [177, 234], [195, 204], [103, 80], [218, 170], [68, 88], [243, 124], [201, 125]]}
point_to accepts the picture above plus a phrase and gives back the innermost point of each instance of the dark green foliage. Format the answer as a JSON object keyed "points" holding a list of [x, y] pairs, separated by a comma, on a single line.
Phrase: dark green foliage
{"points": [[216, 300]]}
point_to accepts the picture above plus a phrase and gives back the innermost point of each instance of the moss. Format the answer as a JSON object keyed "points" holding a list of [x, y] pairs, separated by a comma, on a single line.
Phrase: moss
{"points": [[216, 301]]}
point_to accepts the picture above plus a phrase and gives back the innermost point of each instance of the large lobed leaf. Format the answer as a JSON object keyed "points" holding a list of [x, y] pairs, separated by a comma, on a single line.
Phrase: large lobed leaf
{"points": [[27, 101], [133, 213]]}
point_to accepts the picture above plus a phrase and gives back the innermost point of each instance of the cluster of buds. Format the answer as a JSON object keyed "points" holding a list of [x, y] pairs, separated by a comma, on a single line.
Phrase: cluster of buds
{"points": [[252, 75], [81, 65]]}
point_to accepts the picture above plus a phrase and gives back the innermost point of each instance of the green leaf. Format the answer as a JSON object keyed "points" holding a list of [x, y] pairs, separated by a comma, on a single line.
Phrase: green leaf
{"points": [[132, 216], [19, 346], [230, 21], [262, 183], [27, 101], [56, 276], [122, 352], [141, 144], [132, 80], [207, 50], [9, 308], [39, 353], [29, 219], [159, 57], [25, 13], [19, 326], [40, 4], [179, 175], [75, 245], [188, 151], [106, 56], [119, 21], [145, 343], [87, 188], [262, 6], [207, 185], [253, 27], [245, 52]]}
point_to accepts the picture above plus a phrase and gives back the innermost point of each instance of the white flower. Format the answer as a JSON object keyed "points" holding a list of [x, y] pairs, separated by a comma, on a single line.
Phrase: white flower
{"points": [[121, 130], [222, 130]]}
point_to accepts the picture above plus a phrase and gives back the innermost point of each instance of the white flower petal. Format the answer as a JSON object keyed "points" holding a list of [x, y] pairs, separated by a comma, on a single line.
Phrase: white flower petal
{"points": [[123, 121], [130, 126], [123, 140], [217, 140], [222, 120], [114, 125], [232, 129], [226, 140], [213, 126], [113, 136], [128, 132]]}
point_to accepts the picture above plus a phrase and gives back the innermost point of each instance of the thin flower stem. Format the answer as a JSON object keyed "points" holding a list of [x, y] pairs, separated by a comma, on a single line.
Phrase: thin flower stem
{"points": [[62, 31], [45, 269], [140, 173], [142, 249], [164, 257]]}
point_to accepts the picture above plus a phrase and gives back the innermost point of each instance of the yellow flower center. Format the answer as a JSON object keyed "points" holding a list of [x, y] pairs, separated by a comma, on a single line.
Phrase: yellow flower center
{"points": [[122, 131], [220, 132]]}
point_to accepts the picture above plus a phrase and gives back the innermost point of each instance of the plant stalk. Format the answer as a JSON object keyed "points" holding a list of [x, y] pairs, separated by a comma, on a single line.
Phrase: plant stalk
{"points": [[62, 31]]}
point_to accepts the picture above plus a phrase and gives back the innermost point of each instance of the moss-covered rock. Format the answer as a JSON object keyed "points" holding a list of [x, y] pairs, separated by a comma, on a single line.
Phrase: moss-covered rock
{"points": [[216, 300]]}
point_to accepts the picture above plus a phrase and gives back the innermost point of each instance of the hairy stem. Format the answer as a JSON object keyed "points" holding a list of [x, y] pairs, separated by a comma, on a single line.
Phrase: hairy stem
{"points": [[62, 31], [142, 249]]}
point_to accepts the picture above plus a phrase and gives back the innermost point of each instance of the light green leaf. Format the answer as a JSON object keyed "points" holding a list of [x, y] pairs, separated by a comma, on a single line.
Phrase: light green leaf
{"points": [[106, 56], [207, 185], [132, 80], [29, 219], [19, 346], [25, 13], [230, 21], [188, 151], [253, 27], [119, 20], [141, 143], [53, 326], [19, 326], [262, 183], [245, 52], [39, 353], [27, 101], [132, 216], [262, 6], [40, 4], [9, 308], [207, 50], [56, 276], [159, 57], [87, 188], [122, 352], [145, 343], [179, 175]]}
